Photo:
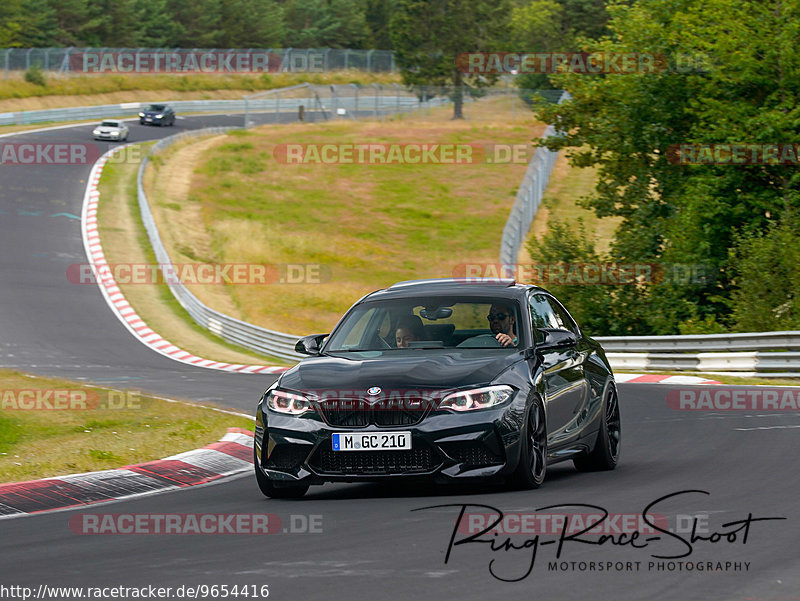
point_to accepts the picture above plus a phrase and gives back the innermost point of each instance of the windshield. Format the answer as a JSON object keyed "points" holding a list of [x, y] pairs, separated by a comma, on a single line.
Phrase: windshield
{"points": [[431, 323], [109, 124], [156, 107]]}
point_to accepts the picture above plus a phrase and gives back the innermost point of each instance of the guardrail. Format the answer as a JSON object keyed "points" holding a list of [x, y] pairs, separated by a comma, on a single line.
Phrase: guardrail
{"points": [[267, 342], [261, 340], [529, 198], [382, 104], [783, 364], [766, 353]]}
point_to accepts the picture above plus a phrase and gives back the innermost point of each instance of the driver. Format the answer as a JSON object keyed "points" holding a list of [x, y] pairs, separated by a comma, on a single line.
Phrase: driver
{"points": [[502, 324]]}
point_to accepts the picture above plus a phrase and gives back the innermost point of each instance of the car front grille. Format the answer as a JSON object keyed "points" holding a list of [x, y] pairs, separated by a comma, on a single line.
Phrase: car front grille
{"points": [[346, 413], [419, 460], [349, 413]]}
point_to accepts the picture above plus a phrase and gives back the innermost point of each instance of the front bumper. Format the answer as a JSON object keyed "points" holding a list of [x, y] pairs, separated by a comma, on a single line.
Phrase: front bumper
{"points": [[445, 447]]}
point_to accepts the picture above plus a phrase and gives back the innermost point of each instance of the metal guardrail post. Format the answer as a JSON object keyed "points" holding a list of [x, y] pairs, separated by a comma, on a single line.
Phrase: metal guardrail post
{"points": [[377, 98], [286, 64]]}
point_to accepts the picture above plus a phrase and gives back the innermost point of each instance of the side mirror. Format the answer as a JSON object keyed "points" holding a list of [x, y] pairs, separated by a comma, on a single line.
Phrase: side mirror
{"points": [[310, 345], [554, 338]]}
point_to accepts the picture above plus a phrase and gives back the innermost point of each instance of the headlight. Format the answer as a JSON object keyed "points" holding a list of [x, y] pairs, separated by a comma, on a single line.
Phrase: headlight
{"points": [[96, 131], [478, 398], [141, 114], [287, 402], [159, 116]]}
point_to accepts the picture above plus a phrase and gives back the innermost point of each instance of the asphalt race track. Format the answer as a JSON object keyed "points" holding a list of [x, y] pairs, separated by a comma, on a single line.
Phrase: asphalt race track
{"points": [[366, 541]]}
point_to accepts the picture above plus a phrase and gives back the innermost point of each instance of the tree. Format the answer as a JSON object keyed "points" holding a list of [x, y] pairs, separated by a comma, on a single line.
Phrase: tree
{"points": [[767, 280], [156, 27], [740, 86], [199, 21], [428, 35], [27, 24], [325, 24], [538, 27], [378, 14], [250, 24], [112, 23], [70, 20]]}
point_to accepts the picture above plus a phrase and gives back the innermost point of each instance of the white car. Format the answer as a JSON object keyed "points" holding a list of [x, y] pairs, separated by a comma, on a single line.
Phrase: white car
{"points": [[111, 129]]}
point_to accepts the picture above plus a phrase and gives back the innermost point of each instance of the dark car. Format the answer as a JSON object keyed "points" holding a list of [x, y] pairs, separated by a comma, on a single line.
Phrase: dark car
{"points": [[448, 401], [157, 114]]}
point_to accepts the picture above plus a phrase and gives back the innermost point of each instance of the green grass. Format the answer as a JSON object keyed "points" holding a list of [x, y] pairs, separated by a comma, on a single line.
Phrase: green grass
{"points": [[369, 225], [103, 84], [122, 176], [567, 186], [50, 442]]}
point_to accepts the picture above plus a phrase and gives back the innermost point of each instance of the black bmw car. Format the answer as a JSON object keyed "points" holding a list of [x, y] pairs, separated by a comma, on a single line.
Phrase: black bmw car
{"points": [[157, 114], [441, 379]]}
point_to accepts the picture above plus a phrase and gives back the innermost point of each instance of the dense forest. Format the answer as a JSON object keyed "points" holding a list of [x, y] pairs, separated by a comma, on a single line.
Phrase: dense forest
{"points": [[245, 23]]}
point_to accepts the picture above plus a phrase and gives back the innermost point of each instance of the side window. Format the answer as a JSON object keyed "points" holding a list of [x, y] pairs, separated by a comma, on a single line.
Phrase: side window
{"points": [[542, 315], [567, 323]]}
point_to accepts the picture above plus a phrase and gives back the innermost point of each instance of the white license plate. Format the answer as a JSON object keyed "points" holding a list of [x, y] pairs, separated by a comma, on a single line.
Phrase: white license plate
{"points": [[372, 441]]}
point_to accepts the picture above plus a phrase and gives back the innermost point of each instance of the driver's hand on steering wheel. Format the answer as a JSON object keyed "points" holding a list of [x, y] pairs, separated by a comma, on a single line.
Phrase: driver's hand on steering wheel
{"points": [[505, 339]]}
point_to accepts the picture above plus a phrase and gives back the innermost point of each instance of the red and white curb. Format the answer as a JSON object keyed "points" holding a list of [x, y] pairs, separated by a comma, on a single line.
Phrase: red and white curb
{"points": [[233, 454], [660, 379], [116, 300]]}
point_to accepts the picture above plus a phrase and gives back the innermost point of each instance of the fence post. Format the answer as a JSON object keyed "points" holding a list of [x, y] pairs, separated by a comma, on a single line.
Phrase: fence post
{"points": [[8, 51], [377, 96]]}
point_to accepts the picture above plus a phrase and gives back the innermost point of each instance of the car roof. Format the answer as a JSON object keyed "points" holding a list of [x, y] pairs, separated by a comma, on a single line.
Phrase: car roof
{"points": [[496, 287]]}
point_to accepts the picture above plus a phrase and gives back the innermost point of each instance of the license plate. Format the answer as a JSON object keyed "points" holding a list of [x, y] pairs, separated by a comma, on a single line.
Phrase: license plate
{"points": [[372, 441], [148, 118]]}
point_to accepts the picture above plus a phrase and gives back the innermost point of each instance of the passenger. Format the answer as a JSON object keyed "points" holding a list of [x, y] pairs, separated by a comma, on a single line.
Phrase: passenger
{"points": [[502, 324], [409, 329]]}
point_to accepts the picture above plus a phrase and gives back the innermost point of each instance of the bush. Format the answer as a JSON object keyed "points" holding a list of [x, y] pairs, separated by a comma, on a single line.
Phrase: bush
{"points": [[35, 75], [766, 271]]}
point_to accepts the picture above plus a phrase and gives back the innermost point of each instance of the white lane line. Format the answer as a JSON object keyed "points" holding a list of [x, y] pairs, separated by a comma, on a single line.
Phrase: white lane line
{"points": [[767, 428]]}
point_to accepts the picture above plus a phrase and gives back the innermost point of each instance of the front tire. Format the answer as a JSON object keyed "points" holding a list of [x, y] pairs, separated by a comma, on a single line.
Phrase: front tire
{"points": [[532, 466], [273, 491], [605, 454]]}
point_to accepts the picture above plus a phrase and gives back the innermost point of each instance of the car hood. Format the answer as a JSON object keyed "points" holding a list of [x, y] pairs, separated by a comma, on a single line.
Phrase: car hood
{"points": [[430, 372], [153, 113]]}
